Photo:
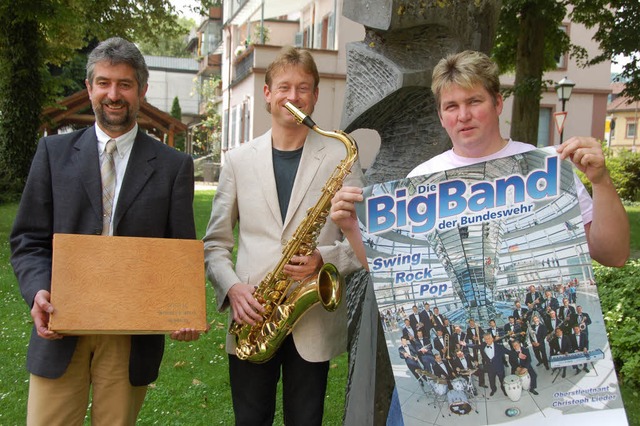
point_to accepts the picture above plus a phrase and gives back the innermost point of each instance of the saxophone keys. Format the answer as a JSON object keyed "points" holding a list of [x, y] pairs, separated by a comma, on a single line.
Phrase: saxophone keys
{"points": [[283, 312], [269, 329]]}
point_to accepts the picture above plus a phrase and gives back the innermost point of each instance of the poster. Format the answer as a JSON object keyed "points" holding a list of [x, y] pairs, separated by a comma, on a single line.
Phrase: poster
{"points": [[496, 248]]}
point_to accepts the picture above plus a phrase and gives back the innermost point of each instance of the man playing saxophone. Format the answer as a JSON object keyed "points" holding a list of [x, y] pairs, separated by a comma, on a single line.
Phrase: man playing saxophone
{"points": [[266, 187]]}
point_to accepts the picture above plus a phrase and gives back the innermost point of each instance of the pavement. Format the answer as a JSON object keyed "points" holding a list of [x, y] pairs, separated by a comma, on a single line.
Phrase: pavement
{"points": [[206, 186]]}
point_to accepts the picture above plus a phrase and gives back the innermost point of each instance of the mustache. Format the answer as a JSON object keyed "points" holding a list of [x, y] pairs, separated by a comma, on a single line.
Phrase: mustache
{"points": [[115, 103]]}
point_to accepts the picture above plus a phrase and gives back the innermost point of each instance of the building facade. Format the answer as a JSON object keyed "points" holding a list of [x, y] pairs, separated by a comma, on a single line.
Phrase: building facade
{"points": [[622, 121], [255, 30]]}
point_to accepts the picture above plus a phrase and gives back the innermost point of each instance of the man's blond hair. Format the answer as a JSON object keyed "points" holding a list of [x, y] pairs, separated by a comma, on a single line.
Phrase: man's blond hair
{"points": [[465, 69]]}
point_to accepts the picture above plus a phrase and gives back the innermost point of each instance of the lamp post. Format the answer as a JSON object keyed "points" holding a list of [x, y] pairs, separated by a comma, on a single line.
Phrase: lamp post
{"points": [[564, 88]]}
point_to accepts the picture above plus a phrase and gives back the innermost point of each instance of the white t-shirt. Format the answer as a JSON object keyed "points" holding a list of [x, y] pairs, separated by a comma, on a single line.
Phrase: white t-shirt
{"points": [[450, 160]]}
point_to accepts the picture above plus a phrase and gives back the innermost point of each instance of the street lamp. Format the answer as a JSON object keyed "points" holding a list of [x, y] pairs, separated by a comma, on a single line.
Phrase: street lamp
{"points": [[564, 88]]}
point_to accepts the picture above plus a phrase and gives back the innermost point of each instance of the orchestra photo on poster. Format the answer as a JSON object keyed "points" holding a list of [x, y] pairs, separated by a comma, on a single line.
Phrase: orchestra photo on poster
{"points": [[484, 285]]}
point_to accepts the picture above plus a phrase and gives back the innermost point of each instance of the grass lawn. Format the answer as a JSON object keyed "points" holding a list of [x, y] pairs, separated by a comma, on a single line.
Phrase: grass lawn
{"points": [[193, 388]]}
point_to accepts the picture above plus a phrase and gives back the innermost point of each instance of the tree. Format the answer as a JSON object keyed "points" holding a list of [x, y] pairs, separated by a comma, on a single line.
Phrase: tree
{"points": [[171, 46], [207, 134], [617, 24], [176, 112], [38, 34], [530, 39]]}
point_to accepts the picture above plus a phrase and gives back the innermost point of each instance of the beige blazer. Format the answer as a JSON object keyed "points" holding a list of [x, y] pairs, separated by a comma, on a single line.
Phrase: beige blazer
{"points": [[247, 196]]}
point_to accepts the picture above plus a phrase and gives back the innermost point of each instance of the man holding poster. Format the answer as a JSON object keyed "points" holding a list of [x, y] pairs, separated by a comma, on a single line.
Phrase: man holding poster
{"points": [[466, 88], [482, 230]]}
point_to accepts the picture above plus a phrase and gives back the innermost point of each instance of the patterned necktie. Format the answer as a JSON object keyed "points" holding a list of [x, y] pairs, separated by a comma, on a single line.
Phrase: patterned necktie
{"points": [[108, 173]]}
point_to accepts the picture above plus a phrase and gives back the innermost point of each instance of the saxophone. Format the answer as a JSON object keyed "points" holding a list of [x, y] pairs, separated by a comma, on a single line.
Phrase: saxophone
{"points": [[284, 302]]}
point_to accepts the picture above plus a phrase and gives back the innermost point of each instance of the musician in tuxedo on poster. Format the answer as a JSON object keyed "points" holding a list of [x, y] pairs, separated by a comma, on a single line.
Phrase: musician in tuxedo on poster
{"points": [[439, 342], [519, 313], [579, 343], [550, 303], [493, 361], [407, 330], [560, 345], [423, 347], [463, 362], [493, 329], [537, 336], [448, 327], [410, 356], [426, 318], [438, 319], [583, 319], [519, 357], [533, 296], [474, 338], [458, 339], [551, 321], [513, 330], [566, 313], [414, 320], [442, 369]]}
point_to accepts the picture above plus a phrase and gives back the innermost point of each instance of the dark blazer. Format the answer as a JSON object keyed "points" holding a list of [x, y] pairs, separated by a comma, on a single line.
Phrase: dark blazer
{"points": [[552, 304], [520, 313], [414, 320], [63, 194], [532, 297], [563, 348], [456, 364], [584, 342], [496, 364], [515, 361], [569, 320], [540, 332], [425, 319], [440, 372]]}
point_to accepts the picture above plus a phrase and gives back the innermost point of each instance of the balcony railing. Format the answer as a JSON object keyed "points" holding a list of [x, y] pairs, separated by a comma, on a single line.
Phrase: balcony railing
{"points": [[243, 64]]}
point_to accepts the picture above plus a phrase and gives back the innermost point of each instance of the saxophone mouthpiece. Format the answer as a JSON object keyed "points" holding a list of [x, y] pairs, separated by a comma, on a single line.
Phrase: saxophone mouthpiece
{"points": [[300, 116]]}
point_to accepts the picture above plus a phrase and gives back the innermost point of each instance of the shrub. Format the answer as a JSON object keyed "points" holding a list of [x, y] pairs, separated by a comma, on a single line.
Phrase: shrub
{"points": [[618, 289], [624, 169]]}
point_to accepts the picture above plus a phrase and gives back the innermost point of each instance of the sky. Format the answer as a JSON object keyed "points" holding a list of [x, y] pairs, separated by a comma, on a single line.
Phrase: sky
{"points": [[183, 6]]}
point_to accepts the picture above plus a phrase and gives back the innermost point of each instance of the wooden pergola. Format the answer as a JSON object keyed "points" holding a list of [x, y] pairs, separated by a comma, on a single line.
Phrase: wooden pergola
{"points": [[76, 110]]}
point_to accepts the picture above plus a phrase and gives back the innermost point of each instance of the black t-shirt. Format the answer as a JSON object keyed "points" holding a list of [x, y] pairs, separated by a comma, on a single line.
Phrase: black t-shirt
{"points": [[285, 167]]}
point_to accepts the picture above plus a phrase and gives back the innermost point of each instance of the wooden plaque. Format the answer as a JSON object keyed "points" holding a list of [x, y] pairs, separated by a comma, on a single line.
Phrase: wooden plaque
{"points": [[126, 285]]}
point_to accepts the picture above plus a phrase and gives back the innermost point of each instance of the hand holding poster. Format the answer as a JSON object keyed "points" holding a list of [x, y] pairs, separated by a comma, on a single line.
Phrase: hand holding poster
{"points": [[483, 280]]}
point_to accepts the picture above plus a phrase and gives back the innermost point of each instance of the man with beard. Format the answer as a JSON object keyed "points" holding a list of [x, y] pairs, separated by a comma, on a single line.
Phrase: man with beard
{"points": [[108, 179]]}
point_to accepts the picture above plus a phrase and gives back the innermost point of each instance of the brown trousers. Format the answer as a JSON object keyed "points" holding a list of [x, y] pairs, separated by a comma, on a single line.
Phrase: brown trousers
{"points": [[100, 363]]}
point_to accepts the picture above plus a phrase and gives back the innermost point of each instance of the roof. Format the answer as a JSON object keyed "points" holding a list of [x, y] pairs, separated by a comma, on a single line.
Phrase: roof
{"points": [[76, 109], [171, 63], [621, 104]]}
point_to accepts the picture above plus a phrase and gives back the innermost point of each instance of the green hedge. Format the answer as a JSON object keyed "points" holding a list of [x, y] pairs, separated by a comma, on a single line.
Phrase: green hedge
{"points": [[619, 290], [624, 168]]}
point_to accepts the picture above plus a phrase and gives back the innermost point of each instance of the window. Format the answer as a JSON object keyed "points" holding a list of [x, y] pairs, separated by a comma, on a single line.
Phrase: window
{"points": [[225, 130], [323, 34], [631, 129], [561, 60], [544, 126]]}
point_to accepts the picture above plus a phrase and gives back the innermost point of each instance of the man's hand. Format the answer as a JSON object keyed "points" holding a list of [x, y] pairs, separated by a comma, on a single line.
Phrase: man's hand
{"points": [[188, 334], [343, 208], [246, 308], [40, 312], [586, 153], [301, 267]]}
